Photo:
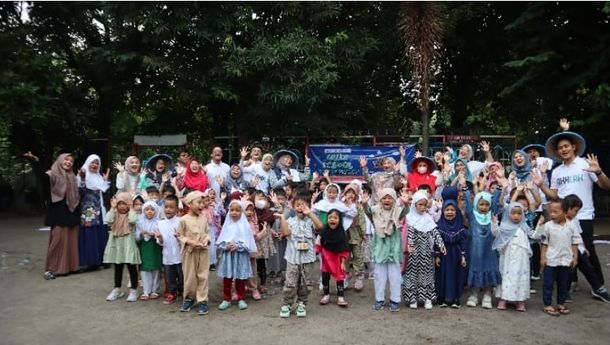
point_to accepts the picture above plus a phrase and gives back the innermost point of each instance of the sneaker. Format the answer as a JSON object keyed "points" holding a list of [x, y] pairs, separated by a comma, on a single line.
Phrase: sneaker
{"points": [[256, 295], [187, 305], [568, 299], [341, 302], [413, 305], [378, 305], [443, 305], [472, 301], [455, 305], [203, 308], [154, 295], [170, 299], [301, 310], [486, 304], [133, 295], [394, 307], [325, 299], [359, 284], [428, 305], [48, 275], [285, 311], [224, 305], [242, 305], [537, 277], [601, 294], [114, 295]]}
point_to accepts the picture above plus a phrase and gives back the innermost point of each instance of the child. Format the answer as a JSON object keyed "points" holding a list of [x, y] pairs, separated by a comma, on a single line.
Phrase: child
{"points": [[147, 230], [277, 262], [368, 239], [572, 204], [236, 245], [121, 248], [166, 237], [451, 268], [152, 193], [356, 229], [558, 253], [299, 231], [483, 271], [264, 240], [259, 235], [334, 250], [330, 201], [386, 246], [194, 239], [421, 173], [512, 243], [422, 234], [214, 213], [138, 202]]}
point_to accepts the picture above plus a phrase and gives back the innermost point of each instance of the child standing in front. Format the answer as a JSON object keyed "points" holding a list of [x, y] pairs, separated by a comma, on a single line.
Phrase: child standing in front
{"points": [[334, 250], [422, 234], [386, 246], [166, 237], [558, 255], [195, 240], [512, 243], [299, 231], [121, 248], [483, 270], [147, 230], [235, 245]]}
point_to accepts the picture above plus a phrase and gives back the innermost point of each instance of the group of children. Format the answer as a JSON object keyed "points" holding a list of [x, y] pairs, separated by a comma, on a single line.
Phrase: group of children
{"points": [[429, 230]]}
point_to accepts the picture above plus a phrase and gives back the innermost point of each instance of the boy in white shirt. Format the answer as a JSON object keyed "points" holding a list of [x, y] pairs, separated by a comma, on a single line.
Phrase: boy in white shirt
{"points": [[172, 259]]}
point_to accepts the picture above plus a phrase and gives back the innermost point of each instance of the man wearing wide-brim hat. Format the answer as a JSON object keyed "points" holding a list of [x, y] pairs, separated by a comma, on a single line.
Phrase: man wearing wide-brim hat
{"points": [[286, 163], [575, 175]]}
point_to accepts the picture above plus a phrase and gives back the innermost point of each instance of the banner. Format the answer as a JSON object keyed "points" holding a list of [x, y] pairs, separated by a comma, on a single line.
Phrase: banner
{"points": [[343, 161]]}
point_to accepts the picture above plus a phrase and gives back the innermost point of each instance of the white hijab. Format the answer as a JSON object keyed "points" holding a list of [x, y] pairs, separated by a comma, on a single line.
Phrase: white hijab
{"points": [[94, 180], [237, 231], [421, 221], [149, 224]]}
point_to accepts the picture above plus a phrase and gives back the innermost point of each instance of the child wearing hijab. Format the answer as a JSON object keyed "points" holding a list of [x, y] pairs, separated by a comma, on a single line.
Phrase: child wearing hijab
{"points": [[128, 178], [451, 268], [422, 234], [387, 246], [195, 178], [460, 169], [334, 250], [331, 201], [259, 234], [121, 248], [93, 231], [264, 240], [195, 240], [512, 242], [356, 232], [483, 270], [147, 230], [213, 212], [236, 245]]}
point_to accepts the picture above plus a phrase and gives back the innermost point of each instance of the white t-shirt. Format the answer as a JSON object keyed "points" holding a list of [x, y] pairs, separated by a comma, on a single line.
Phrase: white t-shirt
{"points": [[559, 240], [250, 170], [573, 179], [171, 246], [213, 170]]}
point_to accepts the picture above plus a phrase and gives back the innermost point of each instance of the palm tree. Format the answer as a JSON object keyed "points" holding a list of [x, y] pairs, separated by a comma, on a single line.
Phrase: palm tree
{"points": [[421, 28]]}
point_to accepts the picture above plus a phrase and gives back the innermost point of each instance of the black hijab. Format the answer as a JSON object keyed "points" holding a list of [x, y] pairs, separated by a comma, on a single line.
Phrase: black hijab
{"points": [[334, 240]]}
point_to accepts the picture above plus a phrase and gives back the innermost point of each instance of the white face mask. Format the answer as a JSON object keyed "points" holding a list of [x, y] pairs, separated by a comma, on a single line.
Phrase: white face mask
{"points": [[260, 204], [422, 170]]}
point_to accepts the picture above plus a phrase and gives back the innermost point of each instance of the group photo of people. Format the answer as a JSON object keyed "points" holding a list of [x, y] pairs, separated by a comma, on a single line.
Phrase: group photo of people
{"points": [[434, 232]]}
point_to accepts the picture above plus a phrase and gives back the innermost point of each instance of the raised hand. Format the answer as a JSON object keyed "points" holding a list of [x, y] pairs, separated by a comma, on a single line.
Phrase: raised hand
{"points": [[220, 180], [544, 167], [254, 182], [106, 175], [485, 146], [564, 124], [113, 202], [166, 177], [593, 164], [273, 198], [541, 220], [537, 178], [223, 196], [28, 155], [520, 187], [404, 197], [365, 198], [326, 174], [402, 151], [362, 161], [315, 195], [418, 154], [306, 210], [243, 152], [307, 160], [119, 167], [315, 176]]}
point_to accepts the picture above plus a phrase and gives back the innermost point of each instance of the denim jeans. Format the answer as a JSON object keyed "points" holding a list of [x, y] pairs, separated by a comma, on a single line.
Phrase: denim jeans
{"points": [[559, 275], [174, 277]]}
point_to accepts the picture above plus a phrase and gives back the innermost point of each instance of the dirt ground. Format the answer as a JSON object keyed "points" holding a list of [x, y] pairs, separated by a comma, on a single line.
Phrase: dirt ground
{"points": [[72, 310]]}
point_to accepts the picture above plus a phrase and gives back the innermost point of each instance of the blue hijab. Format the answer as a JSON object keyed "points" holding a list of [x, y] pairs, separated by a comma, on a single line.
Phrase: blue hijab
{"points": [[454, 225], [508, 228], [523, 172], [466, 170], [482, 219]]}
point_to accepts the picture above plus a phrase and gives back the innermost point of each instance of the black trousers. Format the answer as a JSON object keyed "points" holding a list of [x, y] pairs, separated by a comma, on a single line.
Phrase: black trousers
{"points": [[587, 238], [118, 275]]}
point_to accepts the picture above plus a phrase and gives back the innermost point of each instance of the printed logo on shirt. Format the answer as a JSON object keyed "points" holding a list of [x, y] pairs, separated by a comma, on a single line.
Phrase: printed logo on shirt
{"points": [[570, 179]]}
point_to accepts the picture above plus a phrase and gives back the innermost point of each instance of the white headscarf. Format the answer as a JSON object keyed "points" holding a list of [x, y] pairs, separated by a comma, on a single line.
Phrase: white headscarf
{"points": [[149, 224], [94, 180], [326, 205], [421, 221], [386, 220], [237, 231]]}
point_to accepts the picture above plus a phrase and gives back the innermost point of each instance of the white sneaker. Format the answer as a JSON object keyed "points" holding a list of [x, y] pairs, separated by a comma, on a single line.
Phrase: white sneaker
{"points": [[133, 295], [486, 304], [472, 301], [428, 305], [114, 295], [413, 305]]}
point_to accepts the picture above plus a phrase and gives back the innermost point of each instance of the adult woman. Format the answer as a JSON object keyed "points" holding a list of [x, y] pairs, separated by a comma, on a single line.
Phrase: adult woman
{"points": [[63, 215]]}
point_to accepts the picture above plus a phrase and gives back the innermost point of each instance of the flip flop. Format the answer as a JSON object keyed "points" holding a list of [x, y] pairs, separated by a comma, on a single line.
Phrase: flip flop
{"points": [[563, 310], [551, 311]]}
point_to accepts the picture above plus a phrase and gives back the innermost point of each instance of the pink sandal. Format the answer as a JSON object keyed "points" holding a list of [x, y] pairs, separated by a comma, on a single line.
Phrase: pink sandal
{"points": [[520, 306], [256, 295], [325, 299], [502, 305], [341, 302]]}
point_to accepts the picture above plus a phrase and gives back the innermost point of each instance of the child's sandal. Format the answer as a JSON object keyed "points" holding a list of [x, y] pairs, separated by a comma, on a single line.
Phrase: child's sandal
{"points": [[563, 310], [144, 298], [550, 311]]}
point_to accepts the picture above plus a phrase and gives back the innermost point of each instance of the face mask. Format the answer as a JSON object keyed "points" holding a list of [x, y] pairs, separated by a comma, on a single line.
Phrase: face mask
{"points": [[260, 204], [422, 170]]}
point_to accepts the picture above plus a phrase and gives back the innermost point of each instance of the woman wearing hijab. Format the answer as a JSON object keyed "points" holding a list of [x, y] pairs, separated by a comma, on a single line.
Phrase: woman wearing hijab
{"points": [[195, 178], [128, 178], [63, 215], [521, 166], [93, 231]]}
